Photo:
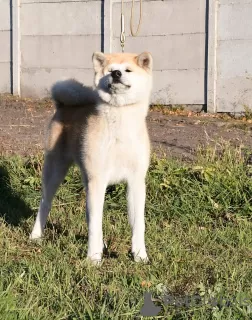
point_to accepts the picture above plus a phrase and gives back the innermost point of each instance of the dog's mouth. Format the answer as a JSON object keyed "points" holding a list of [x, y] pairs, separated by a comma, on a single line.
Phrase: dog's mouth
{"points": [[118, 85]]}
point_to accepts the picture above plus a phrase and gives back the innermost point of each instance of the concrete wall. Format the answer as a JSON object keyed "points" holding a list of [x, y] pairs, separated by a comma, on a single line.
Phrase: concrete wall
{"points": [[174, 32], [57, 39], [234, 55], [5, 46], [57, 42], [201, 48], [230, 63]]}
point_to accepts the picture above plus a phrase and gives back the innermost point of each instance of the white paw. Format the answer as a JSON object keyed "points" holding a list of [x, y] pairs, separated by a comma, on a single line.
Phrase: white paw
{"points": [[35, 236], [95, 259], [140, 256]]}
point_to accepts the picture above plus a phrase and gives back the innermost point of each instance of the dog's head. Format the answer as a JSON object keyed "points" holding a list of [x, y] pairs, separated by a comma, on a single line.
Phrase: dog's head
{"points": [[123, 78]]}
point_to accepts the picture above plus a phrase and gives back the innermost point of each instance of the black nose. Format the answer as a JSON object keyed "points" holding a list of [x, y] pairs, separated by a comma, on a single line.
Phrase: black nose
{"points": [[116, 74]]}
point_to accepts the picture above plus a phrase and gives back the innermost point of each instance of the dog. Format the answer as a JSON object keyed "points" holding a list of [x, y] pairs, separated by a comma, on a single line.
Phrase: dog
{"points": [[103, 130]]}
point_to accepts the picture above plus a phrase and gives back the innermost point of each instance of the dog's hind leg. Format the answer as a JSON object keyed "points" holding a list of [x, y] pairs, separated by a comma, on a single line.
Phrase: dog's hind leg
{"points": [[55, 168]]}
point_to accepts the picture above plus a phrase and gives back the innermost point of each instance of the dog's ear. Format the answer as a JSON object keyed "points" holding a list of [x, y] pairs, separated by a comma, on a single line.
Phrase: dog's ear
{"points": [[145, 61], [99, 60]]}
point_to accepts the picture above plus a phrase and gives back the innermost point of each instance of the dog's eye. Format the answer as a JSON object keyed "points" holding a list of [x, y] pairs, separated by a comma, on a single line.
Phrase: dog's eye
{"points": [[128, 70]]}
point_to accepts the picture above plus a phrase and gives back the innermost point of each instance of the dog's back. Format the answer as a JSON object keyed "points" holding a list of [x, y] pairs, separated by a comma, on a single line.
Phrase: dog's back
{"points": [[75, 105]]}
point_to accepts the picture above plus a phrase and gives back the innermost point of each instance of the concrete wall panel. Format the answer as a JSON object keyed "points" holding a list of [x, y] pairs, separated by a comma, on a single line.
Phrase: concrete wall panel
{"points": [[233, 56], [164, 17], [59, 51], [5, 79], [56, 1], [234, 1], [171, 52], [168, 84], [57, 42], [5, 46], [63, 18], [234, 59], [234, 21], [5, 51], [5, 15], [36, 82], [234, 94]]}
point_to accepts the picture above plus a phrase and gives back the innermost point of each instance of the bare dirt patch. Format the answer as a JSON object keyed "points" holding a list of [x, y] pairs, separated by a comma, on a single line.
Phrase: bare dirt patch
{"points": [[23, 123]]}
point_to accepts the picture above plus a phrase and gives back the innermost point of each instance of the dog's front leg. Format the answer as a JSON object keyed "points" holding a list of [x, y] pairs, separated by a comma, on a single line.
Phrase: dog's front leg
{"points": [[95, 198], [136, 205]]}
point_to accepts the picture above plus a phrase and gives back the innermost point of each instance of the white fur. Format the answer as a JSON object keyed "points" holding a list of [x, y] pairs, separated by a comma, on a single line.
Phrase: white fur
{"points": [[139, 90], [115, 148]]}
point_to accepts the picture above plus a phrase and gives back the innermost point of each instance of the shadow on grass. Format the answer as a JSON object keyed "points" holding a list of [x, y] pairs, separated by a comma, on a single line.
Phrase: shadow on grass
{"points": [[12, 207]]}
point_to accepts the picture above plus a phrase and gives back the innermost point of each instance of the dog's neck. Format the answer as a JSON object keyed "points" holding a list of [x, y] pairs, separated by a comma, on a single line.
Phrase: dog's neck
{"points": [[121, 99], [137, 111]]}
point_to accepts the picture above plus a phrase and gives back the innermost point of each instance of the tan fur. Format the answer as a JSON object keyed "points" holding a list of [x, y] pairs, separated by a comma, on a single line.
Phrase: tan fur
{"points": [[103, 131]]}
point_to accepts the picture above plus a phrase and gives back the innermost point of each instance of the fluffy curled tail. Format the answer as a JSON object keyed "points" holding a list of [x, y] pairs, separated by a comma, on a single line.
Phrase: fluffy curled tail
{"points": [[72, 93]]}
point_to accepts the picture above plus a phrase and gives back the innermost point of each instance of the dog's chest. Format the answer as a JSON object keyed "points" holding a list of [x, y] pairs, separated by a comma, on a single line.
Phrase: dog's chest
{"points": [[122, 126], [116, 145], [125, 143]]}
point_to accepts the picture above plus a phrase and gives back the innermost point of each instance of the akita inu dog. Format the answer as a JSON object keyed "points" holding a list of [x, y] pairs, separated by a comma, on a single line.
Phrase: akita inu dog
{"points": [[103, 130]]}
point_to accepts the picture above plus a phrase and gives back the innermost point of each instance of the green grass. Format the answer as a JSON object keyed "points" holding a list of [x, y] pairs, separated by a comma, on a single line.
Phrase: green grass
{"points": [[198, 236]]}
